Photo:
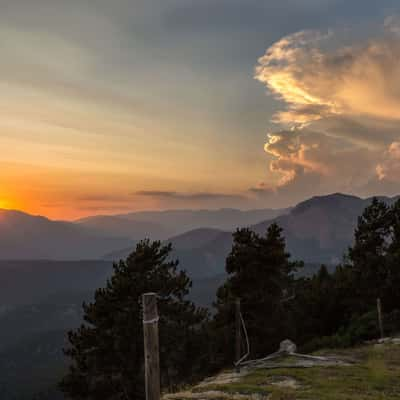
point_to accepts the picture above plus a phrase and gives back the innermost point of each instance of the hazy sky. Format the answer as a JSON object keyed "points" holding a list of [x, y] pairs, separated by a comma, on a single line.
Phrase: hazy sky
{"points": [[109, 106]]}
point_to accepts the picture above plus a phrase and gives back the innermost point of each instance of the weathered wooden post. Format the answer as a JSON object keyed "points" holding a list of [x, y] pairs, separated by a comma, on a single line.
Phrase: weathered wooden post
{"points": [[379, 307], [151, 346], [238, 334]]}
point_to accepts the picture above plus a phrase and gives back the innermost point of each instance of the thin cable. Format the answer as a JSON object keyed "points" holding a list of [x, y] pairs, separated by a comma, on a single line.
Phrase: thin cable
{"points": [[237, 363]]}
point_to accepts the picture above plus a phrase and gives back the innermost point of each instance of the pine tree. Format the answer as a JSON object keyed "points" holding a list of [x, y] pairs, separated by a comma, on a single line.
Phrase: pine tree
{"points": [[320, 306], [368, 255], [106, 352], [259, 273], [391, 292]]}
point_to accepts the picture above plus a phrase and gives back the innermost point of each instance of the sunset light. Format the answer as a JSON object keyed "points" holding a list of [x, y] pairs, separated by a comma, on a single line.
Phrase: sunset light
{"points": [[4, 204], [197, 195], [85, 137]]}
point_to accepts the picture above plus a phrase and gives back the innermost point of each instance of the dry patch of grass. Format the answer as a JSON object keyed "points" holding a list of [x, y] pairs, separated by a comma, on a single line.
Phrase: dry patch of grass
{"points": [[375, 376]]}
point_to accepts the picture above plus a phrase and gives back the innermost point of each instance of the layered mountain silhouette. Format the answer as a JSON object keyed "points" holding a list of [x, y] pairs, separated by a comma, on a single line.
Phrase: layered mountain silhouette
{"points": [[320, 229], [316, 230], [24, 236], [118, 226], [165, 224]]}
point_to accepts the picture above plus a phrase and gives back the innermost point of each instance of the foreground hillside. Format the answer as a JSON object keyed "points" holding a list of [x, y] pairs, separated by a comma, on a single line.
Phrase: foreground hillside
{"points": [[367, 373]]}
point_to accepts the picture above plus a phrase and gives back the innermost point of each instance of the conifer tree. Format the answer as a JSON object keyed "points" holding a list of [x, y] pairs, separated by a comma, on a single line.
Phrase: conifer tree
{"points": [[259, 273], [391, 291], [367, 256], [106, 352]]}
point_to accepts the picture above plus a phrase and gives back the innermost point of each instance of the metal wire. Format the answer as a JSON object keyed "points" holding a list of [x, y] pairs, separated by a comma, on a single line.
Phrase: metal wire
{"points": [[237, 363]]}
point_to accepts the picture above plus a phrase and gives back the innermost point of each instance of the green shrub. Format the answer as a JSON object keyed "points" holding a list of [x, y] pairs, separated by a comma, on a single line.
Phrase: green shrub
{"points": [[360, 329]]}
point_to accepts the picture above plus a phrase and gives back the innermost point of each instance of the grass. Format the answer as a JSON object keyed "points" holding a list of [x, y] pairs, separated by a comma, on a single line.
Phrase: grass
{"points": [[375, 376]]}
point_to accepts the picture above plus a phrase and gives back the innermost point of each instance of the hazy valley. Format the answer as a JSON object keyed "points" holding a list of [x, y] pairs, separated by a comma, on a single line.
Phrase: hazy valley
{"points": [[44, 277]]}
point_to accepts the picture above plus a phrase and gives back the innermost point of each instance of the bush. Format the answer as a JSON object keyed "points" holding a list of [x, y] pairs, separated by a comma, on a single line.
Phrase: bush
{"points": [[359, 330]]}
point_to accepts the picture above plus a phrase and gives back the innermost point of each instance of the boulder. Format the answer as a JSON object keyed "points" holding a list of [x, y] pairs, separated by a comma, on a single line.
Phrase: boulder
{"points": [[287, 346]]}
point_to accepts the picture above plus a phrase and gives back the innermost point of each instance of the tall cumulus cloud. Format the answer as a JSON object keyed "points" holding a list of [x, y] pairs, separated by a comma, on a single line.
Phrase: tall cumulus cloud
{"points": [[338, 126]]}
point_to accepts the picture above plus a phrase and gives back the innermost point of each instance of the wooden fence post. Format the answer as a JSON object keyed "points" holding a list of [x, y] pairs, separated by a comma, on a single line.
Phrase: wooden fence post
{"points": [[238, 334], [379, 307], [151, 346]]}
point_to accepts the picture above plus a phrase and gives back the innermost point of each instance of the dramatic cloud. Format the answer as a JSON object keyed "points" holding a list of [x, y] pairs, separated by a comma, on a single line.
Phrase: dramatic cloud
{"points": [[327, 161], [341, 110], [389, 169], [316, 83]]}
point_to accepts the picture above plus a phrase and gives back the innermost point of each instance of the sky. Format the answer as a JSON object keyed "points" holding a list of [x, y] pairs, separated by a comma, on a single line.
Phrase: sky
{"points": [[113, 106]]}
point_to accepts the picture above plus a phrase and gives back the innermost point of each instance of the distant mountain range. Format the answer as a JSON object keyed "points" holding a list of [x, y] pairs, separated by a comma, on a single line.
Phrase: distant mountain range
{"points": [[317, 230], [117, 226], [165, 224], [321, 229], [24, 236]]}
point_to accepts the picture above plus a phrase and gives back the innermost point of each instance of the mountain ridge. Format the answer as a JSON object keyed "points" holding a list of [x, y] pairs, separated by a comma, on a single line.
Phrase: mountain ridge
{"points": [[175, 222], [317, 229], [26, 236]]}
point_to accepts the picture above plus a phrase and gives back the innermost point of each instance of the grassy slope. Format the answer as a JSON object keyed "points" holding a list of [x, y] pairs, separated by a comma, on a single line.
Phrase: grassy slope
{"points": [[376, 375]]}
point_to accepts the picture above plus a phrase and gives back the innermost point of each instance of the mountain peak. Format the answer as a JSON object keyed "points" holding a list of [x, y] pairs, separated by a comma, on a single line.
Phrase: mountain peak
{"points": [[331, 200]]}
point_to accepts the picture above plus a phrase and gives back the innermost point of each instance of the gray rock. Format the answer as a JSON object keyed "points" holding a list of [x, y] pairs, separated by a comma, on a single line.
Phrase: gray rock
{"points": [[287, 346]]}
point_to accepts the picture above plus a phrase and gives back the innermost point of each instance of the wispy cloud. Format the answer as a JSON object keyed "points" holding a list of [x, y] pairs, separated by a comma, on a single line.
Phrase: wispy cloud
{"points": [[189, 196], [105, 198]]}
